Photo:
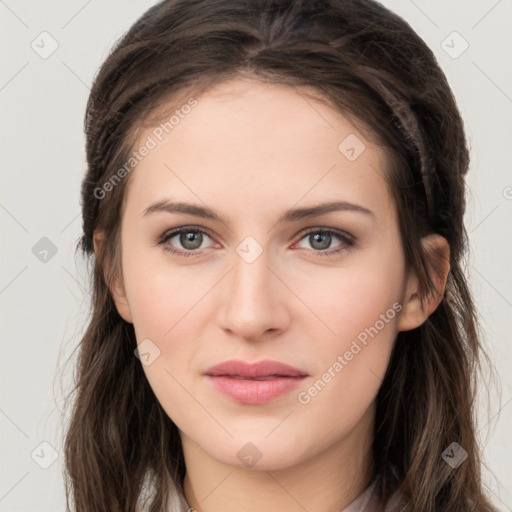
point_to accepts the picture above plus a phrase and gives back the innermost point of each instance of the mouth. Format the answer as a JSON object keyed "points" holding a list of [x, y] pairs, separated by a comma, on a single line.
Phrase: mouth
{"points": [[261, 369], [254, 384]]}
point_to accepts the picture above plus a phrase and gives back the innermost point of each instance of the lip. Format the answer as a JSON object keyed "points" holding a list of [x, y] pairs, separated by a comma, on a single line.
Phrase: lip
{"points": [[255, 383]]}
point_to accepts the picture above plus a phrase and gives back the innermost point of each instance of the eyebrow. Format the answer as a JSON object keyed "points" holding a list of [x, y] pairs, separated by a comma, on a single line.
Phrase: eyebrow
{"points": [[294, 214]]}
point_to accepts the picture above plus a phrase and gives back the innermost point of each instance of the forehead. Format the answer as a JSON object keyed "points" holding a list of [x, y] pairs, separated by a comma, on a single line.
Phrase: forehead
{"points": [[251, 143]]}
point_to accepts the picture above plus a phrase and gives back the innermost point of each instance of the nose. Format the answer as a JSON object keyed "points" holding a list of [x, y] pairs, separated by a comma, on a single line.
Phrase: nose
{"points": [[255, 300]]}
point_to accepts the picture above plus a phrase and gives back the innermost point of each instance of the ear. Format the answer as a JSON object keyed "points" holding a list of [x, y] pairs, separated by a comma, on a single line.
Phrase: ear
{"points": [[115, 283], [415, 311]]}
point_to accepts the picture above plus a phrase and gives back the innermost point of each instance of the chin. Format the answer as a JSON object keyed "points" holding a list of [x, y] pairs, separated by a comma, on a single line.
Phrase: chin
{"points": [[259, 454]]}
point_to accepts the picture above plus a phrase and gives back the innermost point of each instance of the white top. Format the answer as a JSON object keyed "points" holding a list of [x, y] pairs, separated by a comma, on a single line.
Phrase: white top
{"points": [[367, 501]]}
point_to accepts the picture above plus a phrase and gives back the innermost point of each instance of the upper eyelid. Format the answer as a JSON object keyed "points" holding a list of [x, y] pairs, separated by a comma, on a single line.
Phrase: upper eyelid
{"points": [[170, 233]]}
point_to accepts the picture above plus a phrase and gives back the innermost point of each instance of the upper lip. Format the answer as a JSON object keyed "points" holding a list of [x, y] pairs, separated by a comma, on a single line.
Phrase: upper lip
{"points": [[260, 369]]}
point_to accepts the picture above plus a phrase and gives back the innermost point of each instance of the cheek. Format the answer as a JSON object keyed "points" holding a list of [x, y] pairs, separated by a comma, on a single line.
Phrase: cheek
{"points": [[349, 372], [165, 305], [159, 295], [168, 307], [350, 298], [360, 305]]}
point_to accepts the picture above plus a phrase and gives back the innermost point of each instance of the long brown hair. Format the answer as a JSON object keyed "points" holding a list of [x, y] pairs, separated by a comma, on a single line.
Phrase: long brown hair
{"points": [[369, 64]]}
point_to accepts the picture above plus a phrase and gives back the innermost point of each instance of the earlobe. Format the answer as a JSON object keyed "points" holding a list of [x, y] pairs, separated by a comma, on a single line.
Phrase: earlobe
{"points": [[415, 311], [115, 283]]}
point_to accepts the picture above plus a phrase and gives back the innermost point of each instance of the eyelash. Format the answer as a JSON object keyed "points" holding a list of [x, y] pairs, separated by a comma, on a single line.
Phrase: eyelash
{"points": [[348, 241]]}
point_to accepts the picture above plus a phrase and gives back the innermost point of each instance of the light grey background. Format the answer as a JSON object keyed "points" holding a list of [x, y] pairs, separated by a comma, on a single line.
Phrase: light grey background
{"points": [[44, 303]]}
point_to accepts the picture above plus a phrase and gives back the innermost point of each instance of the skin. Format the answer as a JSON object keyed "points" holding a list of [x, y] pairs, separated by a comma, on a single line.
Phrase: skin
{"points": [[250, 151]]}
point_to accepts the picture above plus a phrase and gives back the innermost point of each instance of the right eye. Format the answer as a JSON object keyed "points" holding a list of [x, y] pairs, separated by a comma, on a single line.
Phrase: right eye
{"points": [[190, 239]]}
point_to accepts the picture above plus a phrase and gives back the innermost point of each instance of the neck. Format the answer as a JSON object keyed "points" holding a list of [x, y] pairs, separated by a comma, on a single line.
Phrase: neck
{"points": [[326, 482]]}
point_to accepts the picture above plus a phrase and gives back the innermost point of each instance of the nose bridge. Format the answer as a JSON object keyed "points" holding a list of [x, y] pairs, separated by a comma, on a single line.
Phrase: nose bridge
{"points": [[251, 278], [251, 305]]}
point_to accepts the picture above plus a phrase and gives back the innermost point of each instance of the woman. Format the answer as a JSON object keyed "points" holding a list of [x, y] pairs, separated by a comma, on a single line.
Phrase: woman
{"points": [[274, 210]]}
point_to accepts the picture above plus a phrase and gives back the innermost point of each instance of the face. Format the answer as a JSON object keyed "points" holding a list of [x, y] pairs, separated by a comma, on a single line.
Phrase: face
{"points": [[321, 293]]}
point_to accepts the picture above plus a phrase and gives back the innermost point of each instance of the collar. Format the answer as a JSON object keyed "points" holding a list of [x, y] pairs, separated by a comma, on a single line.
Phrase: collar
{"points": [[367, 501]]}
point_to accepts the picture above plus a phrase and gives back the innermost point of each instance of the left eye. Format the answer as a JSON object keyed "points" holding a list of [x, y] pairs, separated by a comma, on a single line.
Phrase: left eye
{"points": [[323, 238]]}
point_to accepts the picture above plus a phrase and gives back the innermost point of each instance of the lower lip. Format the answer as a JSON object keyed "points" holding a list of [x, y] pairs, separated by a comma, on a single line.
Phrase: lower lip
{"points": [[254, 392]]}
